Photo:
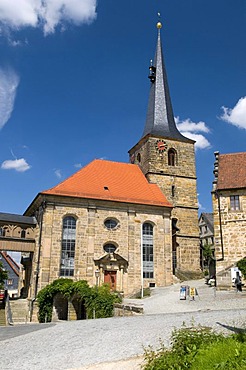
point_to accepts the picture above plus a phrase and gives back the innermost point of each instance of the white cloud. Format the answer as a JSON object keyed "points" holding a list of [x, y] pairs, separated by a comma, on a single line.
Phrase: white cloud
{"points": [[191, 130], [46, 14], [8, 85], [58, 174], [20, 165], [77, 165], [188, 125], [237, 115]]}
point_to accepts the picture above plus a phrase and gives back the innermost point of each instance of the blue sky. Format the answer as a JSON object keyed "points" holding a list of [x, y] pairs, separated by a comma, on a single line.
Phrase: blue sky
{"points": [[74, 86]]}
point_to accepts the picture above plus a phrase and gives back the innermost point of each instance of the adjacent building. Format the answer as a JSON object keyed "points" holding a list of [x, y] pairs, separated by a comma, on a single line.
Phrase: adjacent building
{"points": [[206, 229], [229, 209], [13, 270]]}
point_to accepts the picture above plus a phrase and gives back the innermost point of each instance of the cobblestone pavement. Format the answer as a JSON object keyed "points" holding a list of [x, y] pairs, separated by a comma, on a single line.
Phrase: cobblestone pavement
{"points": [[118, 343]]}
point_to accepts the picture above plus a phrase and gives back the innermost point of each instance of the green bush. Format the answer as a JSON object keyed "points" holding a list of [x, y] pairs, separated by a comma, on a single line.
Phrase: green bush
{"points": [[3, 276], [242, 266], [228, 354], [98, 301], [185, 344]]}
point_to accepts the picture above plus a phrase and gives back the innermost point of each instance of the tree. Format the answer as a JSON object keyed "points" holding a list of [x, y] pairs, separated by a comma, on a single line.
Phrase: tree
{"points": [[3, 275], [242, 266]]}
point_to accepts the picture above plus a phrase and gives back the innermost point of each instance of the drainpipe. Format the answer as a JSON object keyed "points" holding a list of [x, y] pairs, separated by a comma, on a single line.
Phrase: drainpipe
{"points": [[40, 222], [221, 234], [141, 256]]}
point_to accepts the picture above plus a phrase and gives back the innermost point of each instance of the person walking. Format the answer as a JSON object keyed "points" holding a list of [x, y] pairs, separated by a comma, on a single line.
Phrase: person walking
{"points": [[238, 282]]}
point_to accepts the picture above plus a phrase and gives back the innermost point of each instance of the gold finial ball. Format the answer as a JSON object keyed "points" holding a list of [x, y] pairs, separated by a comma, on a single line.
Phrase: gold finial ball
{"points": [[159, 25]]}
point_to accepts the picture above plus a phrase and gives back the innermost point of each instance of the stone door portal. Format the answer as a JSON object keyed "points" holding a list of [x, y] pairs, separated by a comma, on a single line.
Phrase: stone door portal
{"points": [[110, 278]]}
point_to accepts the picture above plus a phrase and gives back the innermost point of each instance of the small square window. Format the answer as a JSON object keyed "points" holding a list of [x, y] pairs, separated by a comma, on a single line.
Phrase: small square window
{"points": [[10, 282], [234, 203]]}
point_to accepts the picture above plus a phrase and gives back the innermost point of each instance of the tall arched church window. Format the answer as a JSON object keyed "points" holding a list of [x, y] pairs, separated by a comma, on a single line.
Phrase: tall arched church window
{"points": [[68, 246], [172, 157], [148, 258]]}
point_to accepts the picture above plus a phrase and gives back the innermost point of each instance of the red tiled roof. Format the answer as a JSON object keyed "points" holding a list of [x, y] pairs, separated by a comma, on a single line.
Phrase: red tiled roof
{"points": [[11, 262], [232, 171], [106, 180]]}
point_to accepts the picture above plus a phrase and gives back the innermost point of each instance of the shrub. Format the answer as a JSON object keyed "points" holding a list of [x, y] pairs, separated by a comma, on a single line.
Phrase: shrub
{"points": [[199, 348], [97, 300], [242, 266], [185, 344], [228, 354], [3, 276]]}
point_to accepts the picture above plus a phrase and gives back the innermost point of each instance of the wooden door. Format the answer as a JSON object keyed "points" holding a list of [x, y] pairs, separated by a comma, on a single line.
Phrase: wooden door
{"points": [[110, 278]]}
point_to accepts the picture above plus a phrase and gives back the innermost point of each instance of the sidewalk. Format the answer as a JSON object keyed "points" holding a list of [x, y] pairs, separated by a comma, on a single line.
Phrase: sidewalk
{"points": [[167, 299]]}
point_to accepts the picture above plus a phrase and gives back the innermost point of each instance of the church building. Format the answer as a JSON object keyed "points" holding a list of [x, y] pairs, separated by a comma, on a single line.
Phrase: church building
{"points": [[131, 225]]}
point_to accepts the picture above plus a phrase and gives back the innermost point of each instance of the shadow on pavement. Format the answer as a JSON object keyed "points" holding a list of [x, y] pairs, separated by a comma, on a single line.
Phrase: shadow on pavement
{"points": [[8, 332], [232, 328]]}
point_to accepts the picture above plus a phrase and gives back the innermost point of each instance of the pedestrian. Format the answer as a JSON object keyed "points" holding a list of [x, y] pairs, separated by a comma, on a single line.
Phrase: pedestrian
{"points": [[238, 282]]}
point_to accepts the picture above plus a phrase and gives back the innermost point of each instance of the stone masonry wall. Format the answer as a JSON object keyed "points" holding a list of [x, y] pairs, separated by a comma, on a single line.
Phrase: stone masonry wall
{"points": [[178, 183], [233, 225]]}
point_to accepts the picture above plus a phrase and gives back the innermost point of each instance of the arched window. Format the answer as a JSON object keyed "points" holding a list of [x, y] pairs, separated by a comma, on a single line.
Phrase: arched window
{"points": [[23, 233], [109, 248], [148, 258], [68, 246], [171, 157]]}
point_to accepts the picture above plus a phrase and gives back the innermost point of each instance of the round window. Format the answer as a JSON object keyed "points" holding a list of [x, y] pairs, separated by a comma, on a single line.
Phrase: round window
{"points": [[109, 248], [110, 223]]}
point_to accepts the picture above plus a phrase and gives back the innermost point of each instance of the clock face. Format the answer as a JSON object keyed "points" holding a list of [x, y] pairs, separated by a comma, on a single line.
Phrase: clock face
{"points": [[161, 146]]}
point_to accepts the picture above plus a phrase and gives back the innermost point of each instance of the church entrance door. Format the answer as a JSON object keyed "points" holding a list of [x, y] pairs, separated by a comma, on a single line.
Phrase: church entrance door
{"points": [[110, 278]]}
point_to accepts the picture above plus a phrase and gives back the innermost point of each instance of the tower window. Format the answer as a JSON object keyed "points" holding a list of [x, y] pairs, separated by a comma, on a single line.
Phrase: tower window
{"points": [[171, 157], [68, 246], [173, 190], [139, 157]]}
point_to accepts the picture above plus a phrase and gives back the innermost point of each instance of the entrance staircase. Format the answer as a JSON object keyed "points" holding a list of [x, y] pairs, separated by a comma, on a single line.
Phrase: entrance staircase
{"points": [[20, 311]]}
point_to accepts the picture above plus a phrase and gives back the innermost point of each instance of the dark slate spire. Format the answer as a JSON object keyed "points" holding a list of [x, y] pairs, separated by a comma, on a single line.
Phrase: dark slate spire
{"points": [[160, 119]]}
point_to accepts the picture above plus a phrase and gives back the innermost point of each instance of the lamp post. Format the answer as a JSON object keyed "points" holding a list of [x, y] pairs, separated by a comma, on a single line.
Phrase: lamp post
{"points": [[97, 275]]}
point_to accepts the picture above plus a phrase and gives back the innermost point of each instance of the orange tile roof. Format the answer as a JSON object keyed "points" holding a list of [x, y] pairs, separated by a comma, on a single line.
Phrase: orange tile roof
{"points": [[114, 181], [232, 171]]}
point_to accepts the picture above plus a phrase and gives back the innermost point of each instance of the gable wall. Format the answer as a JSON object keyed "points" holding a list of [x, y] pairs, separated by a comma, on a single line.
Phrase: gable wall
{"points": [[233, 224]]}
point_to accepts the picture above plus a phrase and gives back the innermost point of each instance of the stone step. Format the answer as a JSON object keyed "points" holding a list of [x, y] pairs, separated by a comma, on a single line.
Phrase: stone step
{"points": [[2, 317], [20, 311]]}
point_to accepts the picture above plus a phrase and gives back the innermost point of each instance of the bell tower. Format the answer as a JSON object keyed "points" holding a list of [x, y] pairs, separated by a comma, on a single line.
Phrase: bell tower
{"points": [[167, 158]]}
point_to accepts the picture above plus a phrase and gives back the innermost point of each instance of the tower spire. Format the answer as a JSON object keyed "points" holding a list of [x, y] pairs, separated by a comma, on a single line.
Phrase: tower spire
{"points": [[160, 119]]}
